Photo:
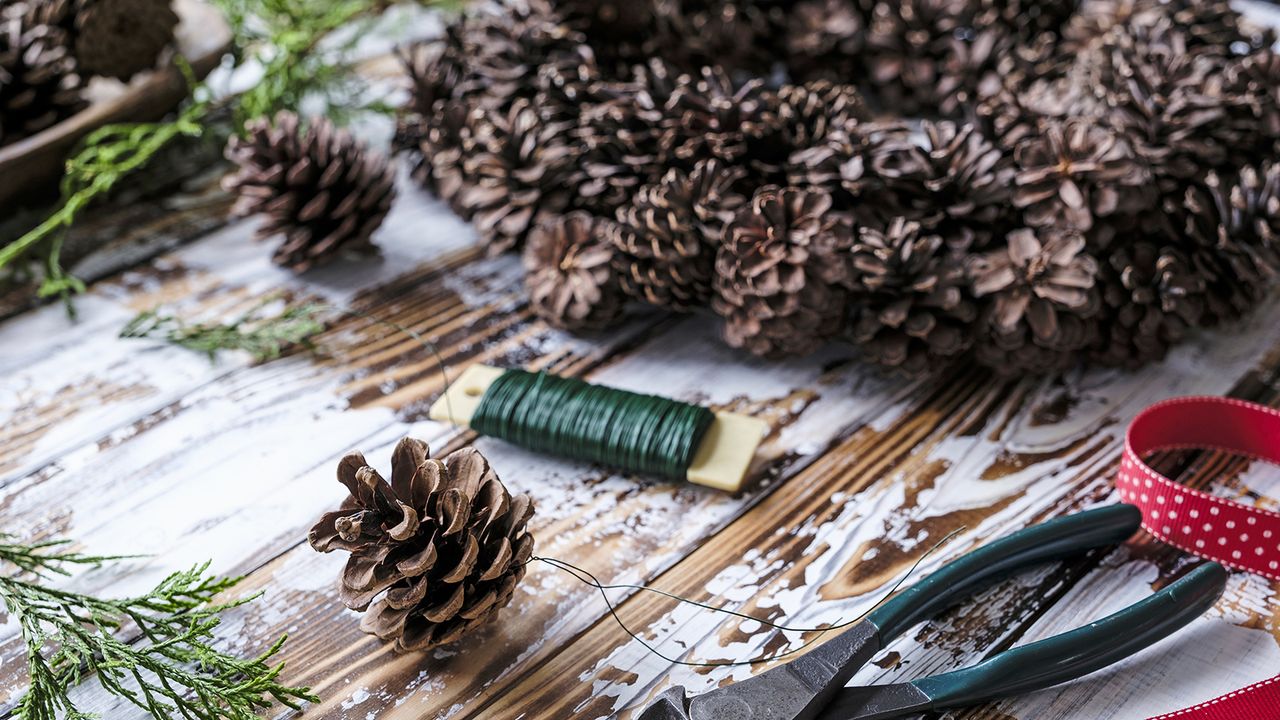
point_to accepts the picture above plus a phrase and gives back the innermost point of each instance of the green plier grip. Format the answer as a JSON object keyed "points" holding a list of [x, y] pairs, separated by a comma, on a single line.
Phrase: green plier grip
{"points": [[1053, 540], [1041, 664]]}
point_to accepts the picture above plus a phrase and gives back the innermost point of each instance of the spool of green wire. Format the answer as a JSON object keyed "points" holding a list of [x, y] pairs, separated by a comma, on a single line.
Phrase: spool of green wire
{"points": [[574, 419]]}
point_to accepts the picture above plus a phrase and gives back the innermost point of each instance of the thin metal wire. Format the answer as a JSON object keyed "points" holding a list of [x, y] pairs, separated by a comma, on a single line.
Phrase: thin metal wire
{"points": [[587, 578], [568, 417]]}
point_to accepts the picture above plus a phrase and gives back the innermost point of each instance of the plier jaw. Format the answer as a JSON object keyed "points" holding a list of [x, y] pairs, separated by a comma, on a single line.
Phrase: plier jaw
{"points": [[797, 690]]}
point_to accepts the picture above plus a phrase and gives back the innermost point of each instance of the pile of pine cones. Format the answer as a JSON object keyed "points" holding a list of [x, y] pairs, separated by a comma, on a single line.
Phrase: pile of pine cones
{"points": [[1030, 184], [49, 49]]}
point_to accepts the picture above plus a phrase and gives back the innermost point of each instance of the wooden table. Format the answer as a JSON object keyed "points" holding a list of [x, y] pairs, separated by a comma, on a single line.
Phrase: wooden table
{"points": [[132, 446]]}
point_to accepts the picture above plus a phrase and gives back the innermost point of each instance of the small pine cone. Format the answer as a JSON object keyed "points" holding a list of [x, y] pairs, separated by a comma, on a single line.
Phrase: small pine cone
{"points": [[1234, 227], [1174, 104], [517, 49], [668, 236], [810, 112], [824, 39], [733, 34], [1037, 294], [783, 273], [569, 273], [320, 188], [517, 170], [1076, 172], [1032, 18], [1153, 296], [910, 310], [435, 553], [958, 183], [1255, 79], [922, 53], [621, 32], [39, 82], [111, 38], [431, 122], [710, 117], [621, 142]]}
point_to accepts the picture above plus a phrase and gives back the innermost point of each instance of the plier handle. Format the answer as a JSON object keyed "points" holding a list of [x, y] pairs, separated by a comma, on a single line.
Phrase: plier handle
{"points": [[812, 686]]}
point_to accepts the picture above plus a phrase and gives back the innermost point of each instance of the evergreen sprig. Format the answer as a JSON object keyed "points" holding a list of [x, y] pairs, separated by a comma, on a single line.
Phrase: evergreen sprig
{"points": [[264, 336], [172, 670]]}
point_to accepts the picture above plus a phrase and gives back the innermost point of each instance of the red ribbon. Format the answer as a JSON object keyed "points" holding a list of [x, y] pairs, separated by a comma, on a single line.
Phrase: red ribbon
{"points": [[1240, 537]]}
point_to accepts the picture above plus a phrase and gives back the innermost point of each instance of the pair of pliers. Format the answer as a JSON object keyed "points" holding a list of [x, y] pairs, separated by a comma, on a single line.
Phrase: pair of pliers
{"points": [[812, 687]]}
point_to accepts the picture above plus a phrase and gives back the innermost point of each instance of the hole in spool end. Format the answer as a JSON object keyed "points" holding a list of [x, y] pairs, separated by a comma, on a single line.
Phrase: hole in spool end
{"points": [[473, 391]]}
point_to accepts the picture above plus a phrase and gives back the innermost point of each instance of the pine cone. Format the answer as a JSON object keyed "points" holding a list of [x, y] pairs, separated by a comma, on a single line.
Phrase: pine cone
{"points": [[1078, 171], [1039, 296], [783, 272], [111, 38], [621, 32], [435, 553], [320, 188], [619, 134], [824, 39], [517, 169], [911, 311], [710, 117], [516, 49], [39, 82], [1233, 225], [668, 236], [569, 275], [431, 123], [929, 55], [738, 35], [1174, 104], [1153, 296], [958, 184]]}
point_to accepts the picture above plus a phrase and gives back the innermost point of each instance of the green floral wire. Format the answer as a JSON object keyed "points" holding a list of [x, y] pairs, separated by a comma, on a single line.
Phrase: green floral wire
{"points": [[571, 418]]}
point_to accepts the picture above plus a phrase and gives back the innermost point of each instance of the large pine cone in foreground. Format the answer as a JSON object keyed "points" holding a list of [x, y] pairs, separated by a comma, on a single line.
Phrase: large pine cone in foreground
{"points": [[435, 553], [318, 187]]}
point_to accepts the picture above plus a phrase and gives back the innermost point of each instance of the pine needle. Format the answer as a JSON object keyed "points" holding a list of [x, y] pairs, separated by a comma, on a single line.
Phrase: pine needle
{"points": [[263, 336], [172, 671]]}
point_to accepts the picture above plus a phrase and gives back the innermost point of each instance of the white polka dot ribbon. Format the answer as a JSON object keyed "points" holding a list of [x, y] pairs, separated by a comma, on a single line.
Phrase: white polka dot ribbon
{"points": [[1238, 536]]}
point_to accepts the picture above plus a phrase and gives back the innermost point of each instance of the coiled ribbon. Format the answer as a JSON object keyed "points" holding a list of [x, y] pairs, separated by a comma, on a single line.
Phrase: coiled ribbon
{"points": [[1240, 537]]}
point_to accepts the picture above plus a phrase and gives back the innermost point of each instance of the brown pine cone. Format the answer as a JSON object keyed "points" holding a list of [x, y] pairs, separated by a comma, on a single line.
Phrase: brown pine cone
{"points": [[1233, 225], [910, 310], [111, 38], [783, 273], [1175, 105], [39, 82], [431, 122], [569, 273], [621, 32], [1153, 296], [435, 553], [516, 49], [824, 39], [810, 112], [710, 117], [320, 188], [958, 184], [517, 170], [1039, 297], [667, 237], [619, 133], [738, 35], [1075, 172]]}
